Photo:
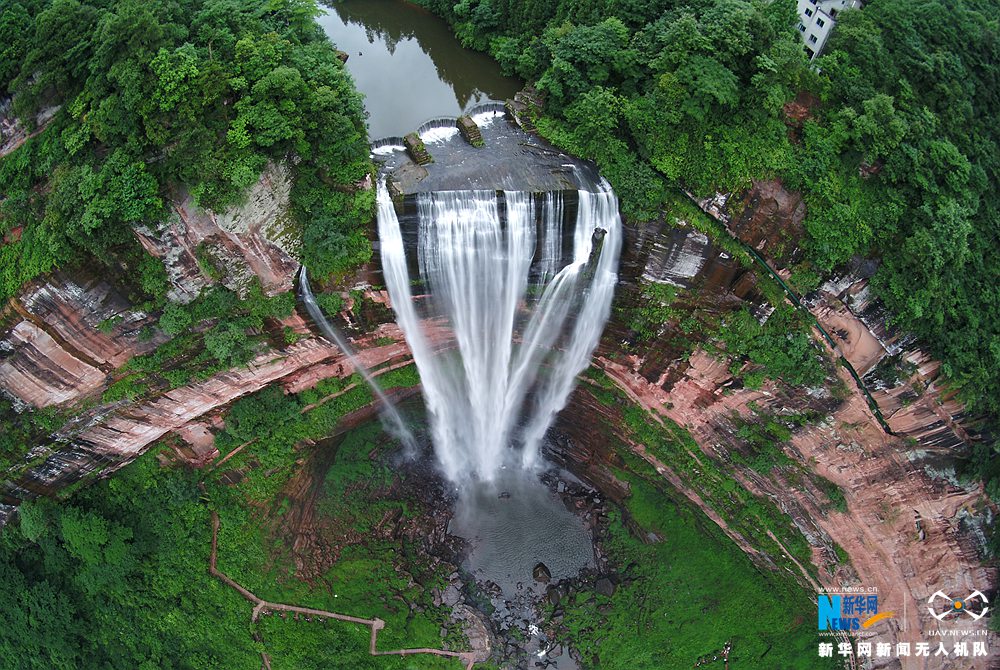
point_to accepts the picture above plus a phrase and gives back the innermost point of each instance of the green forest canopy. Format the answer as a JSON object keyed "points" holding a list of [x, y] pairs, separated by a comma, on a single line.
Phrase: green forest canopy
{"points": [[159, 96], [899, 157]]}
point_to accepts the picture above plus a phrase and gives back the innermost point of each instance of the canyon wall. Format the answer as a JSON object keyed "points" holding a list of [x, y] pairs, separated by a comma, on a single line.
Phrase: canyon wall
{"points": [[109, 436], [907, 386], [257, 239], [64, 335], [910, 527]]}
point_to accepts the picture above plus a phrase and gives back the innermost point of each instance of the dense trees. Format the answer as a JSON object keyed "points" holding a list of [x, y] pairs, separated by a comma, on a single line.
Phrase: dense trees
{"points": [[155, 96], [897, 156], [118, 580]]}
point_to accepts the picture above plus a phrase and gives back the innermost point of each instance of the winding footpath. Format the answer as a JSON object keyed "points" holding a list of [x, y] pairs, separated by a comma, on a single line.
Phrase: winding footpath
{"points": [[261, 606]]}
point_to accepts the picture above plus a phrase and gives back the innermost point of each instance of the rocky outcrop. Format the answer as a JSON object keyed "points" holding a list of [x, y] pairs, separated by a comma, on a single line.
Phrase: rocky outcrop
{"points": [[13, 133], [63, 336], [903, 379], [256, 239], [111, 436], [470, 131], [769, 219]]}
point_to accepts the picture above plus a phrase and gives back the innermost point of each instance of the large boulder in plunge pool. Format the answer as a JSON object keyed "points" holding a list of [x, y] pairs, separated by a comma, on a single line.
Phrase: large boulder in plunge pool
{"points": [[541, 573]]}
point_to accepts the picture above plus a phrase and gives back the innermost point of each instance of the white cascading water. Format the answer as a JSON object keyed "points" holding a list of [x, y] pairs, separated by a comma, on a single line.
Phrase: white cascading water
{"points": [[520, 343], [391, 419]]}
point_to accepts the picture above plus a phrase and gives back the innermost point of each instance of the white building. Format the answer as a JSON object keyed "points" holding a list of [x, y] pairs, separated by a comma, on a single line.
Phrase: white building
{"points": [[817, 19]]}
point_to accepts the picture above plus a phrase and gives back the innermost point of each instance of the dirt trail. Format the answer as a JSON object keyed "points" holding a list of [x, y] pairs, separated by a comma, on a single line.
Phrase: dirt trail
{"points": [[261, 606]]}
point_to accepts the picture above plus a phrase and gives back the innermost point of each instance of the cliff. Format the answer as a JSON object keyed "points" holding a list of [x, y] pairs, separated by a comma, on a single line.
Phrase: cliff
{"points": [[109, 436], [62, 337], [910, 528], [64, 334], [255, 239], [904, 380]]}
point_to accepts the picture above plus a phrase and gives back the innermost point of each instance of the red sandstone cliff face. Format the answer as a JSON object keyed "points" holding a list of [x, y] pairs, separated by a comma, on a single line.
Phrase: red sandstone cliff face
{"points": [[255, 239], [905, 530], [916, 405], [52, 346], [768, 218], [904, 380], [910, 528], [110, 436], [52, 350]]}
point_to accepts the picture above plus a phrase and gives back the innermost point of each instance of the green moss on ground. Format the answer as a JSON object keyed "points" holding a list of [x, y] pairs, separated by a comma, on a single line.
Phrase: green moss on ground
{"points": [[688, 594]]}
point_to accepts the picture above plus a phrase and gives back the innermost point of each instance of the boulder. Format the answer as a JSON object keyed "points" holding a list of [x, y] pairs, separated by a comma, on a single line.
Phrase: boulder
{"points": [[470, 131], [605, 587], [541, 573], [416, 149]]}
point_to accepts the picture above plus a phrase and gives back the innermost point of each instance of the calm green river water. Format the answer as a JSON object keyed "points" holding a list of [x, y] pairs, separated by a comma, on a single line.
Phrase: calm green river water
{"points": [[409, 66]]}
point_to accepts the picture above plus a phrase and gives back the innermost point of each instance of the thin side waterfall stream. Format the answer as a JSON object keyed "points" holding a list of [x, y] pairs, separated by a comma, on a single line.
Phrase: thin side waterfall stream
{"points": [[524, 327], [391, 419]]}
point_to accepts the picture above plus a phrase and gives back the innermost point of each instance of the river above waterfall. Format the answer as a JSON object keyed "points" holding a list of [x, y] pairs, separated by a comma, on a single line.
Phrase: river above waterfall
{"points": [[409, 65]]}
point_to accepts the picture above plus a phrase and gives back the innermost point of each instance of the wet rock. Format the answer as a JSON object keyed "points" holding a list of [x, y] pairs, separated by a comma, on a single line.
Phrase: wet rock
{"points": [[504, 495], [605, 587], [470, 131], [416, 149], [452, 596], [541, 573], [552, 593]]}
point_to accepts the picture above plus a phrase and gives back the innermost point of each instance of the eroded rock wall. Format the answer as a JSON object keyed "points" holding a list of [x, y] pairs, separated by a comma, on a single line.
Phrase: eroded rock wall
{"points": [[913, 399], [62, 337], [256, 239], [910, 527], [110, 436], [907, 532], [904, 380]]}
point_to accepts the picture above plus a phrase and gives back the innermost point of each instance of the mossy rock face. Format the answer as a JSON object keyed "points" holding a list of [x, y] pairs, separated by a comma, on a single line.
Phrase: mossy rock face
{"points": [[416, 149], [470, 131]]}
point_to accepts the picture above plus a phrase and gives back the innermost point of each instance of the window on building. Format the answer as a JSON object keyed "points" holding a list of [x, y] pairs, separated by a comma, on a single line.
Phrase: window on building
{"points": [[833, 13], [820, 22], [812, 39], [802, 28], [809, 12]]}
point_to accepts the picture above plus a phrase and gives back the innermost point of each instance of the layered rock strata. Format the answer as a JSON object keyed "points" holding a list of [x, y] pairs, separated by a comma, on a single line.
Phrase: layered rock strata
{"points": [[257, 239]]}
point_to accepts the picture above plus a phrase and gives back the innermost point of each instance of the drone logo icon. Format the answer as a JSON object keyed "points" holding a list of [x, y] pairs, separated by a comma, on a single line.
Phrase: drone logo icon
{"points": [[976, 600]]}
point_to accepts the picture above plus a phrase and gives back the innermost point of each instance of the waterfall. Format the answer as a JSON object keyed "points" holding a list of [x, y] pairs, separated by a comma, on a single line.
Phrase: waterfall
{"points": [[521, 336], [391, 419]]}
